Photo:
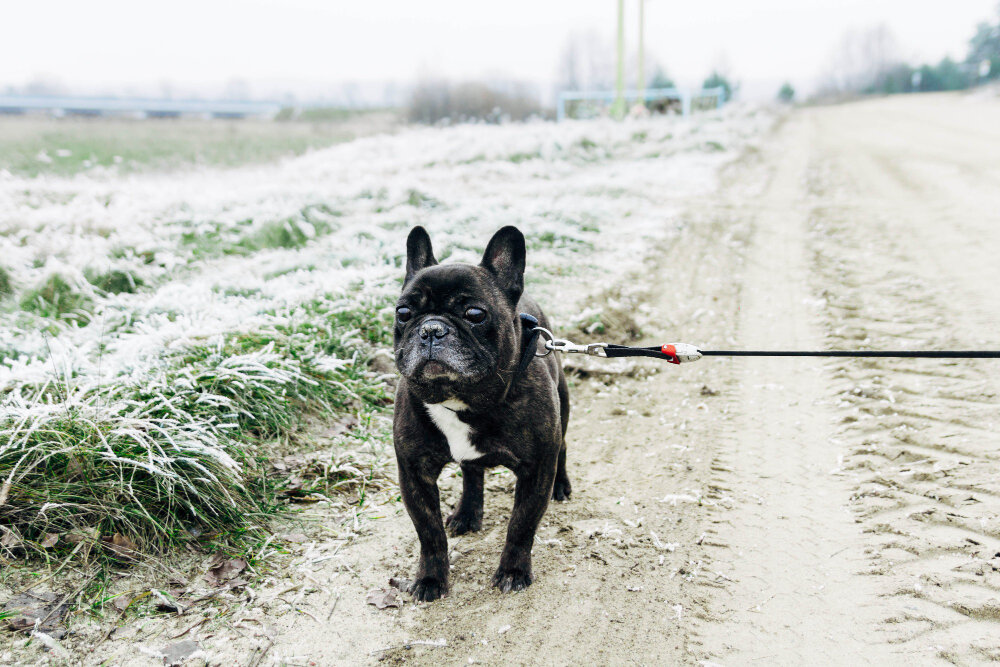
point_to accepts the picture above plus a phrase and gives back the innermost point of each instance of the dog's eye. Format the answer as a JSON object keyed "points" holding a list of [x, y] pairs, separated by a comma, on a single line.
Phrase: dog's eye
{"points": [[403, 314], [475, 315]]}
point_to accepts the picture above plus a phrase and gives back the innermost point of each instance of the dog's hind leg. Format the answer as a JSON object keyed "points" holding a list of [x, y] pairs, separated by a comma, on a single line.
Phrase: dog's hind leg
{"points": [[562, 489], [468, 515]]}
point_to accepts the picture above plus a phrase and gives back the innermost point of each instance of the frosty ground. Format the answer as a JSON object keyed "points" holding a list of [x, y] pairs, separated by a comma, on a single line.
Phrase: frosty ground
{"points": [[788, 511]]}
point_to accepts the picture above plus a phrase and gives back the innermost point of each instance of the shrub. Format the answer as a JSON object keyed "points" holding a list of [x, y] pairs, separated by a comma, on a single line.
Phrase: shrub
{"points": [[434, 101]]}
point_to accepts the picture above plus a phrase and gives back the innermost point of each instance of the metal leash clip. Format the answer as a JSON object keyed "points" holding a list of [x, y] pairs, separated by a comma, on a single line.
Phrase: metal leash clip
{"points": [[562, 345]]}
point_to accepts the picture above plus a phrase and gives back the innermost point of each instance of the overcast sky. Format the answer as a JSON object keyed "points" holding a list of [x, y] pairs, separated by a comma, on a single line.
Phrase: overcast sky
{"points": [[89, 44]]}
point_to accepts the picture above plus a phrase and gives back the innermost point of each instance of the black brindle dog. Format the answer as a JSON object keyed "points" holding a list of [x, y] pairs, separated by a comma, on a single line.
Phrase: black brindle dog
{"points": [[458, 341]]}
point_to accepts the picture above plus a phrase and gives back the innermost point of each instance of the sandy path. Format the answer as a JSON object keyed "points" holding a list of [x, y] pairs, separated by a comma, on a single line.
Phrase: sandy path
{"points": [[866, 517], [743, 511], [804, 510], [790, 543]]}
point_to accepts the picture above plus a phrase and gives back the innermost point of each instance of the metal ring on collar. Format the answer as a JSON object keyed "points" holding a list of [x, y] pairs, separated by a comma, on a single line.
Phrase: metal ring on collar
{"points": [[548, 336]]}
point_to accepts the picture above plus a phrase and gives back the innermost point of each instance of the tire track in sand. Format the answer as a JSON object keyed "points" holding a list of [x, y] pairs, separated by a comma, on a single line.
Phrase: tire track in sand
{"points": [[919, 272], [789, 545]]}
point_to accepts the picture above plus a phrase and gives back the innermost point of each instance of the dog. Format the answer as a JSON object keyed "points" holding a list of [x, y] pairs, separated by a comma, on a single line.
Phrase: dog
{"points": [[458, 340]]}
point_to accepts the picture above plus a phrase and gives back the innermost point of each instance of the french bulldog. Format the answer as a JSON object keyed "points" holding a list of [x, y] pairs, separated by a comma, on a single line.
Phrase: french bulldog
{"points": [[458, 341]]}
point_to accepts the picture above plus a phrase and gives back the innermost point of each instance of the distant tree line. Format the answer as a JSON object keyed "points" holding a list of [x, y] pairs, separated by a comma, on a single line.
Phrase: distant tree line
{"points": [[868, 63]]}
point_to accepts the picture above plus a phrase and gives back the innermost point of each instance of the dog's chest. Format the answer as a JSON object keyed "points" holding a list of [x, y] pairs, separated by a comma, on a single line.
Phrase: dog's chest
{"points": [[456, 432]]}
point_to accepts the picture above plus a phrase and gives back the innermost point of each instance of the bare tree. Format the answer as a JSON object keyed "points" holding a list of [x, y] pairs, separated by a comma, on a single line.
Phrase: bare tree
{"points": [[587, 62], [862, 59]]}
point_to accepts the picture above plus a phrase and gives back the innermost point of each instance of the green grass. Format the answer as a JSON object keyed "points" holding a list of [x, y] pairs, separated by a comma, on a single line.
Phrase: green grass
{"points": [[541, 240], [418, 199], [181, 453], [6, 284], [248, 236], [518, 158], [57, 298], [31, 146], [115, 281]]}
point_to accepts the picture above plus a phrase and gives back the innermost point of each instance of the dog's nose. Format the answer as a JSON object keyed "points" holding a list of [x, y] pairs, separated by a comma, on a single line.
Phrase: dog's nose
{"points": [[435, 328]]}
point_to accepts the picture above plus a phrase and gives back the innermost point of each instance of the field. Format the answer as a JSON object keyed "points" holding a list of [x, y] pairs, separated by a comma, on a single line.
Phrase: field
{"points": [[195, 368], [168, 335], [32, 146]]}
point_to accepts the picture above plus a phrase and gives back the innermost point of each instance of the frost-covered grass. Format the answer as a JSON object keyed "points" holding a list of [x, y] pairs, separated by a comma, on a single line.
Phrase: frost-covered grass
{"points": [[162, 331]]}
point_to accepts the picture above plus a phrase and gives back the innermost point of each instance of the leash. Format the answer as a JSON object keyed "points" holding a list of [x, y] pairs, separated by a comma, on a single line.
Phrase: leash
{"points": [[681, 353]]}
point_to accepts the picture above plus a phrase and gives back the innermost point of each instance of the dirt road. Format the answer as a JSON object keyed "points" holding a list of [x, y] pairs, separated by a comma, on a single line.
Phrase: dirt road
{"points": [[864, 526], [731, 511], [784, 510]]}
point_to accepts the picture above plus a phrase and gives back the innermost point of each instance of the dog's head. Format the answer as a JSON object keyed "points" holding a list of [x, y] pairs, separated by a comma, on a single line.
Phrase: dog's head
{"points": [[456, 332]]}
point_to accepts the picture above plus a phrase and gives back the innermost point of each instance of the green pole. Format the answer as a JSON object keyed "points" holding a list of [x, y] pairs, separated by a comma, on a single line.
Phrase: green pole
{"points": [[618, 108], [642, 52]]}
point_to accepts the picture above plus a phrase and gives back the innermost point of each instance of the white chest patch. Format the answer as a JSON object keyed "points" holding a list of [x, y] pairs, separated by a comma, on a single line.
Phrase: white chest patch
{"points": [[455, 430]]}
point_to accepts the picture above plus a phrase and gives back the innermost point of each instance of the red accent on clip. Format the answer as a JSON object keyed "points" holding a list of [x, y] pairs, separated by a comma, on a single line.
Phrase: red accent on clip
{"points": [[671, 353]]}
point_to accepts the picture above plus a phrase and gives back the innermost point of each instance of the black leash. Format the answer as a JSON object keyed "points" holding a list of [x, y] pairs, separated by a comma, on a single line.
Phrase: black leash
{"points": [[670, 353], [679, 353], [903, 354]]}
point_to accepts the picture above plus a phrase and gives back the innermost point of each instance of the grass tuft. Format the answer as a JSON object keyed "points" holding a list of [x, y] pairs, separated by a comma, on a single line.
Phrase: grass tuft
{"points": [[83, 467], [6, 283], [180, 451], [58, 298], [115, 281], [418, 199], [290, 233]]}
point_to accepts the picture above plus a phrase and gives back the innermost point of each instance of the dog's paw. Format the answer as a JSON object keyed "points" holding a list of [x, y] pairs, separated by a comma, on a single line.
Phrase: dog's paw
{"points": [[428, 589], [460, 523], [511, 579], [561, 490]]}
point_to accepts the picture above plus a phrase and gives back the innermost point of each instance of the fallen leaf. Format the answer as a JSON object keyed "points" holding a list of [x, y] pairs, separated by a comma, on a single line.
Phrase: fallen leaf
{"points": [[224, 571], [295, 538], [49, 540], [31, 607], [121, 545], [122, 602], [383, 597]]}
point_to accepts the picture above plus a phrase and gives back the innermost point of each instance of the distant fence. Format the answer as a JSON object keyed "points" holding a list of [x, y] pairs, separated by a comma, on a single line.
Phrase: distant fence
{"points": [[653, 97], [118, 106]]}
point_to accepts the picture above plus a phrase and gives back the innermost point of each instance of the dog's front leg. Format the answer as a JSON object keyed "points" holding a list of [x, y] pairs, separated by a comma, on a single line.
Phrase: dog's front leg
{"points": [[468, 516], [418, 487], [531, 497]]}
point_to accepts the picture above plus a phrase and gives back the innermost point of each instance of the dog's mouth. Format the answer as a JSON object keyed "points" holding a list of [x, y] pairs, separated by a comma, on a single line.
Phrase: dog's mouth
{"points": [[435, 369]]}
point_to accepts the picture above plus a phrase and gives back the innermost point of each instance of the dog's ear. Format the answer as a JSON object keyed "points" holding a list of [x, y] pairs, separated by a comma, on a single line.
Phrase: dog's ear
{"points": [[419, 254], [504, 258]]}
